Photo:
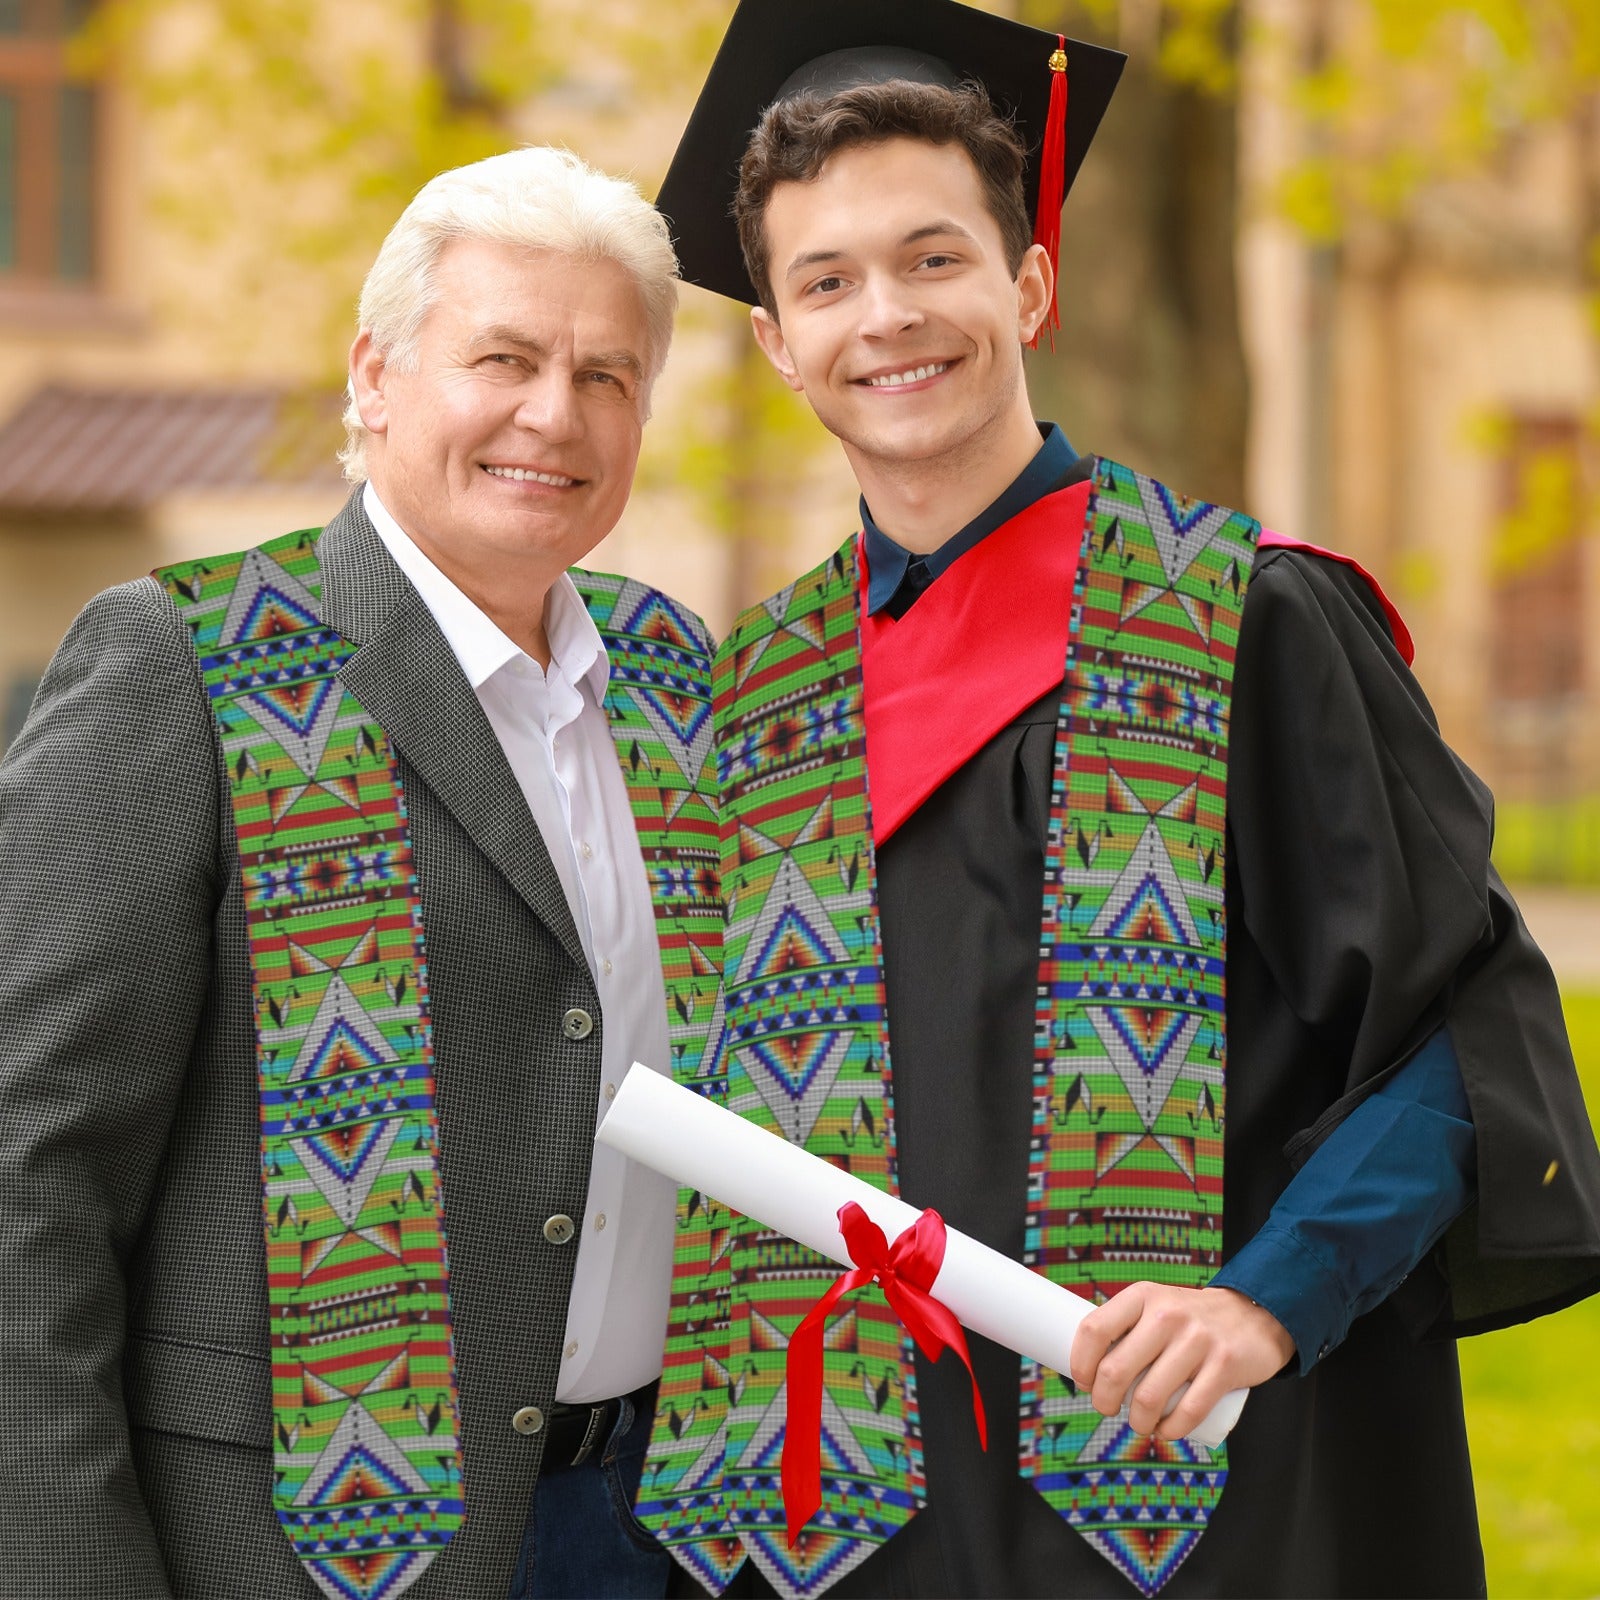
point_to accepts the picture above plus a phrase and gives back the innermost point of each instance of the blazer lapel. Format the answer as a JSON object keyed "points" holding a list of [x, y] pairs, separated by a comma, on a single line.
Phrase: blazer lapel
{"points": [[409, 682]]}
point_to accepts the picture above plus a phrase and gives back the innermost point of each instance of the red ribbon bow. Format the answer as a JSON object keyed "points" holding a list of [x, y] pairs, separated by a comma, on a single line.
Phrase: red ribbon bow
{"points": [[906, 1271]]}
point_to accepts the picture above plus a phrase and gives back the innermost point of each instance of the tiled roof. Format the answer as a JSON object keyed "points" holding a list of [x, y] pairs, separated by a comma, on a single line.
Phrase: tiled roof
{"points": [[88, 450]]}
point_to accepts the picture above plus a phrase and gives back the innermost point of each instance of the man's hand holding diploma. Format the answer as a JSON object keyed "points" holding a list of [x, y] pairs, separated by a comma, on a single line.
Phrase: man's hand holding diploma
{"points": [[1152, 1338]]}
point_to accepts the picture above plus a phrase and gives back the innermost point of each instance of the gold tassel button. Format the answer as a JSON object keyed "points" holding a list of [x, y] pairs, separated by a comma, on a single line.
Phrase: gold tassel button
{"points": [[1058, 62]]}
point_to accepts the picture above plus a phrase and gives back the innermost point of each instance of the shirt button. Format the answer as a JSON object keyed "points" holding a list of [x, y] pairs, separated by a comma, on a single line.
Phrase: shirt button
{"points": [[607, 968], [530, 1419], [611, 1091], [577, 1023], [588, 850], [600, 1222], [559, 1229], [571, 1350]]}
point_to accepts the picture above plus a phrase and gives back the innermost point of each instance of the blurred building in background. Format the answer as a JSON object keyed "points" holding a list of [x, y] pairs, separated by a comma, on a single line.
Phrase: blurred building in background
{"points": [[122, 445], [1426, 390], [191, 189]]}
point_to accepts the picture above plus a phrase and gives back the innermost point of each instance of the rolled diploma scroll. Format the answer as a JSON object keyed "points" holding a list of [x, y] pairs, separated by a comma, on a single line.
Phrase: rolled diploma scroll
{"points": [[702, 1146]]}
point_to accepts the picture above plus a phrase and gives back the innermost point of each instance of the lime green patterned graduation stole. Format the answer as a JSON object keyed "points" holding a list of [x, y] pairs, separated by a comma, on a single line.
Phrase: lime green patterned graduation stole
{"points": [[803, 1055], [1126, 1164], [658, 703], [367, 1479], [1125, 1170]]}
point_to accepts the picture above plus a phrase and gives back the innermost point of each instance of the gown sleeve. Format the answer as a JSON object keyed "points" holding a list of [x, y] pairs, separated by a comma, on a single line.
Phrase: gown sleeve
{"points": [[1359, 844], [1368, 1205]]}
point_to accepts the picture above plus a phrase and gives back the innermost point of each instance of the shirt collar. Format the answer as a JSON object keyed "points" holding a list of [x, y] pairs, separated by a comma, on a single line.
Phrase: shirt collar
{"points": [[888, 561], [477, 641]]}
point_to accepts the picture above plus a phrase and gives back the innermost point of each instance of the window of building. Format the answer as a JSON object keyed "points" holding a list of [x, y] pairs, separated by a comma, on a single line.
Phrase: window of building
{"points": [[48, 131]]}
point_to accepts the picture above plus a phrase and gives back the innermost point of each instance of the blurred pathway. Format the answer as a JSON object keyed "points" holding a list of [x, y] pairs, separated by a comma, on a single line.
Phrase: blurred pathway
{"points": [[1566, 922]]}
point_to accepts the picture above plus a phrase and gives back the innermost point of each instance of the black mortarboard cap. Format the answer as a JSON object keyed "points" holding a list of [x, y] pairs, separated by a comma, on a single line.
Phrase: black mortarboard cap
{"points": [[777, 48]]}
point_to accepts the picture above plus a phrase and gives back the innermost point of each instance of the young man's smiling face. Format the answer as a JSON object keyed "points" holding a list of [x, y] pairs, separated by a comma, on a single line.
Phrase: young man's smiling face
{"points": [[898, 315]]}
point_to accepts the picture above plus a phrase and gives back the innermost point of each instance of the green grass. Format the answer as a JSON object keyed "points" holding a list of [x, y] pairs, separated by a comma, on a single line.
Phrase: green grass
{"points": [[1533, 1414], [1548, 841]]}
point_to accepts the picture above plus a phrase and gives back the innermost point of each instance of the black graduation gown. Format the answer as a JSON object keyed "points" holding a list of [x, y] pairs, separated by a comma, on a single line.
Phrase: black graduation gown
{"points": [[1362, 911]]}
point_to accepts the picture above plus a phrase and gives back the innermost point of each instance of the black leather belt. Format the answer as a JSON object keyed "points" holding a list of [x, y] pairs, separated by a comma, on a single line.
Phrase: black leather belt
{"points": [[574, 1433]]}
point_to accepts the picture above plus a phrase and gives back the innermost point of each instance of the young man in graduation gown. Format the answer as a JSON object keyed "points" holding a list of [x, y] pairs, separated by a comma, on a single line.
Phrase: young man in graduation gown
{"points": [[1095, 873]]}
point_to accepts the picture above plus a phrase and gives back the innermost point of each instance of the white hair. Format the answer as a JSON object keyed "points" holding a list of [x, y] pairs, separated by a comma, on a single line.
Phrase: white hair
{"points": [[536, 197]]}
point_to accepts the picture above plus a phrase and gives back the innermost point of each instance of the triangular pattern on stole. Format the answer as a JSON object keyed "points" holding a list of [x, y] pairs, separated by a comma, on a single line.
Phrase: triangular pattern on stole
{"points": [[817, 1560], [1146, 1556], [1147, 887], [267, 602], [368, 1574], [295, 705], [346, 949], [819, 825], [295, 702], [792, 932], [747, 653], [795, 1075], [1113, 1445], [304, 741], [677, 715], [841, 1449], [646, 614], [1125, 1472], [342, 1037], [344, 1185], [359, 1444], [828, 1547], [1181, 529], [334, 1384], [1148, 1048], [1138, 596], [1112, 1149]]}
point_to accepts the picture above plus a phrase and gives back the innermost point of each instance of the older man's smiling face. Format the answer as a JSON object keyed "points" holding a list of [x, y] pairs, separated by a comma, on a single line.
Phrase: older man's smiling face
{"points": [[512, 443]]}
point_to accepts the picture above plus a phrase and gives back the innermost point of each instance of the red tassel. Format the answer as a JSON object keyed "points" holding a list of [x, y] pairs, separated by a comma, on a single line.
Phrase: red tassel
{"points": [[1052, 182]]}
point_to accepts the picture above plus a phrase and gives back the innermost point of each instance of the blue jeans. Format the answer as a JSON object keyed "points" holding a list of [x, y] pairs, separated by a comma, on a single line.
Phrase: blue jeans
{"points": [[582, 1541]]}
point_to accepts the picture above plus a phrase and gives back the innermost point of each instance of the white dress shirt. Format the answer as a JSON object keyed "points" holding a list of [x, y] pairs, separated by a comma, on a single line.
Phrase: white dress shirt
{"points": [[552, 726]]}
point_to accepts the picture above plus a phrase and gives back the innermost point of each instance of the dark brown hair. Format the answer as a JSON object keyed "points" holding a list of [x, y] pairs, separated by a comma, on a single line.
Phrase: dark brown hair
{"points": [[795, 138]]}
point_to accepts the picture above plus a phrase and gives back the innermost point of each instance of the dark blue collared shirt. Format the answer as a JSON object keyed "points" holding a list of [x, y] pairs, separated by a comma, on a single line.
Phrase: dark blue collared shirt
{"points": [[1380, 1191], [897, 577]]}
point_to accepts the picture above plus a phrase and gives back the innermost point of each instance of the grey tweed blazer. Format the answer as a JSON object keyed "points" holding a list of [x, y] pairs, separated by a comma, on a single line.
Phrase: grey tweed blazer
{"points": [[135, 1454]]}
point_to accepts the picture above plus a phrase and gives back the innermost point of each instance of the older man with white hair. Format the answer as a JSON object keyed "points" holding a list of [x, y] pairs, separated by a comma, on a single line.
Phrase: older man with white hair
{"points": [[342, 880]]}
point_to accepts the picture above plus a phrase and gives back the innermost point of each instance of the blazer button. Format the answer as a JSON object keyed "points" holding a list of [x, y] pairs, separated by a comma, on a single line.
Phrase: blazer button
{"points": [[577, 1023], [530, 1419], [559, 1229]]}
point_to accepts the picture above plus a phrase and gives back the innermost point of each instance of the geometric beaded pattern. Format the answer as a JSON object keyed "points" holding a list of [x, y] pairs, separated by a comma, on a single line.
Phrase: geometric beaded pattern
{"points": [[1125, 1172], [367, 1472], [658, 705], [368, 1475], [805, 1058]]}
